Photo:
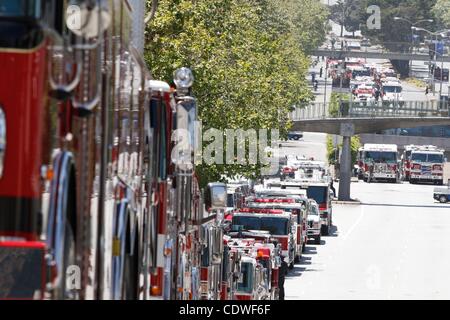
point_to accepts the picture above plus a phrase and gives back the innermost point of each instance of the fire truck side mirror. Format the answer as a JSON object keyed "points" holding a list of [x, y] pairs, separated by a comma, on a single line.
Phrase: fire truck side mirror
{"points": [[216, 196]]}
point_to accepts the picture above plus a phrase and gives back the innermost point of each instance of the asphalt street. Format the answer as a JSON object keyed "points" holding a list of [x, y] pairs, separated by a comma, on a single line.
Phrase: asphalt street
{"points": [[395, 245]]}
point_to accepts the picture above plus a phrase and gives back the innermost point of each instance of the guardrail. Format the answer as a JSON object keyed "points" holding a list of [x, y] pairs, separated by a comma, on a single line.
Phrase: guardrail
{"points": [[380, 109]]}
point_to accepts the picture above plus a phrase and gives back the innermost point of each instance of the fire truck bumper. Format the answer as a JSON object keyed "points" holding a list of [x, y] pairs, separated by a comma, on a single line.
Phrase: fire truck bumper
{"points": [[426, 177], [313, 232], [384, 175]]}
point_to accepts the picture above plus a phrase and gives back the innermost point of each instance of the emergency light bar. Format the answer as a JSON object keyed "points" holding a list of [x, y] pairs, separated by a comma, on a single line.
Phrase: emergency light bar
{"points": [[274, 200], [252, 210]]}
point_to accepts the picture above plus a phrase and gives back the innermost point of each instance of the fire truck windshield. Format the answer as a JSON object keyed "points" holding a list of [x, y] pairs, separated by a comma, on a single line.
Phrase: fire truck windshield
{"points": [[230, 200], [424, 157], [245, 283], [392, 89], [274, 225], [379, 156], [20, 8], [318, 193]]}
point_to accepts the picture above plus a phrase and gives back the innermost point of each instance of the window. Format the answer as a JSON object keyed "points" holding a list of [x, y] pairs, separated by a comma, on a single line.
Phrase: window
{"points": [[419, 157], [320, 194], [245, 283], [314, 211], [230, 200], [380, 156], [274, 225], [392, 89], [435, 158], [20, 8], [424, 157]]}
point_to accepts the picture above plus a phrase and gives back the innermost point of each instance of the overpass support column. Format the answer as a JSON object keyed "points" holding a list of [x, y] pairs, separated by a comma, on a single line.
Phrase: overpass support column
{"points": [[347, 131]]}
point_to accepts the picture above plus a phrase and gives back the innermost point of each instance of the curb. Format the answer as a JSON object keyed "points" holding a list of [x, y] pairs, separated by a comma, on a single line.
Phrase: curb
{"points": [[354, 202]]}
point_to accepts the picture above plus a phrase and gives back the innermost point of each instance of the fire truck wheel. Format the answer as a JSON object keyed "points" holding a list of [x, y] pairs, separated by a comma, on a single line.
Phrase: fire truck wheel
{"points": [[130, 275], [443, 199], [317, 239], [325, 230]]}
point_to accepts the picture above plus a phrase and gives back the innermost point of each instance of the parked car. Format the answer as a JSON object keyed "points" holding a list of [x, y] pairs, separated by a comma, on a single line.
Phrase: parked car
{"points": [[314, 223], [295, 135], [442, 194]]}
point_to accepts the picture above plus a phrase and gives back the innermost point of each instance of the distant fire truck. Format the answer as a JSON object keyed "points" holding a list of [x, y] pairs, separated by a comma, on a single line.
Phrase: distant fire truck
{"points": [[91, 183], [254, 264], [296, 208], [280, 224], [406, 161], [379, 162], [427, 165]]}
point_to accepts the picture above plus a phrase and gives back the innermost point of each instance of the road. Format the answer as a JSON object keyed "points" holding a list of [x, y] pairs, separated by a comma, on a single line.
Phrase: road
{"points": [[394, 246]]}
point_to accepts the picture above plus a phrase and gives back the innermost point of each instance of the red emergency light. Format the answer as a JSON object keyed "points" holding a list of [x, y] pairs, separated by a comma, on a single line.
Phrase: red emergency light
{"points": [[252, 210], [263, 253], [274, 200]]}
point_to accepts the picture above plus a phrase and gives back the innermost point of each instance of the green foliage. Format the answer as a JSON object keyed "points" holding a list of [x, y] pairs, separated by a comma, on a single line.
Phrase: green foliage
{"points": [[441, 12], [249, 58], [349, 13], [335, 101], [355, 144]]}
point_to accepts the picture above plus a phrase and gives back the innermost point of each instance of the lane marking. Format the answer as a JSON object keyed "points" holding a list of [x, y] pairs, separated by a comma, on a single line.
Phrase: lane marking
{"points": [[354, 225]]}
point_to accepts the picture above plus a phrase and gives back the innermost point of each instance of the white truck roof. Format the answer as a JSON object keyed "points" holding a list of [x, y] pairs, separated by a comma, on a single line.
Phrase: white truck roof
{"points": [[380, 147]]}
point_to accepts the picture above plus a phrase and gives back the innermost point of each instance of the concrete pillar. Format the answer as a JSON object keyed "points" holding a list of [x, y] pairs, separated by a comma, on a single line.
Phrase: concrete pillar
{"points": [[347, 131]]}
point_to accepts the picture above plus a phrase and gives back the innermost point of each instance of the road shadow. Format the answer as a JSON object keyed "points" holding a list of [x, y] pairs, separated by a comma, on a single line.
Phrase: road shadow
{"points": [[303, 264], [333, 232]]}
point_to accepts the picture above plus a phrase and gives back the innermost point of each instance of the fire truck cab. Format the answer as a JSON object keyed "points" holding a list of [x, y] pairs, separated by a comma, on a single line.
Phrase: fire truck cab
{"points": [[379, 162], [280, 224], [295, 206], [318, 190], [427, 165]]}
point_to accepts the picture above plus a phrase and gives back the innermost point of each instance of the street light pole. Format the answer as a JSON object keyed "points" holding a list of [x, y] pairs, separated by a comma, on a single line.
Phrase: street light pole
{"points": [[413, 25]]}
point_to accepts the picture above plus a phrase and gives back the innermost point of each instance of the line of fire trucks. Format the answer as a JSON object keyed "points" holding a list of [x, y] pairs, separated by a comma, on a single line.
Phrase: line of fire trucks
{"points": [[368, 82], [267, 227], [417, 163], [99, 196]]}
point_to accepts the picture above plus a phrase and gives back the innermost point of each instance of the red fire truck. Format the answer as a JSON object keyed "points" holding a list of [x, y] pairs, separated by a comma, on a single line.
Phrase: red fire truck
{"points": [[296, 208], [280, 224], [93, 194], [406, 161], [258, 263]]}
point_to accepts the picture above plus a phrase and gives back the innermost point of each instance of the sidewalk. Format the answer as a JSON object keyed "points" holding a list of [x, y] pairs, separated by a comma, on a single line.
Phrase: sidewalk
{"points": [[320, 93]]}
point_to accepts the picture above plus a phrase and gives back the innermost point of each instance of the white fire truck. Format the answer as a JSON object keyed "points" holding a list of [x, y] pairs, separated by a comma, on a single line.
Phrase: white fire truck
{"points": [[379, 162], [427, 165]]}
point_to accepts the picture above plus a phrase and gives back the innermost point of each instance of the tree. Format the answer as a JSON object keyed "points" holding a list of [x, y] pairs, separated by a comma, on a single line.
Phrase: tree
{"points": [[395, 35], [249, 58], [348, 14], [441, 11]]}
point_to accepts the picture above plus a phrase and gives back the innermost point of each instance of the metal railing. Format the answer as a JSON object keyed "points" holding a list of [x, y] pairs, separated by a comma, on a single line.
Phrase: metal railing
{"points": [[380, 109]]}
